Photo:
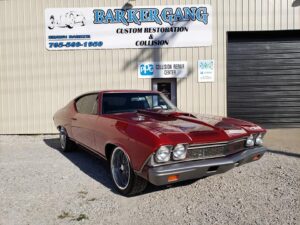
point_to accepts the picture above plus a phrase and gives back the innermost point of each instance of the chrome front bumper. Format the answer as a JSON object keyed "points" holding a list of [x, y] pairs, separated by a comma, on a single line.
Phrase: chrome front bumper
{"points": [[202, 168]]}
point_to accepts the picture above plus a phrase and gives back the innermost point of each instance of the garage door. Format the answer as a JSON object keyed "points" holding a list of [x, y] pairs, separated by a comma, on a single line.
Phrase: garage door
{"points": [[263, 84]]}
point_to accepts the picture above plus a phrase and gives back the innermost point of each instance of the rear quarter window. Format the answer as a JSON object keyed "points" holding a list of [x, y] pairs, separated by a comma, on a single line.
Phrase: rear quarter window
{"points": [[87, 104]]}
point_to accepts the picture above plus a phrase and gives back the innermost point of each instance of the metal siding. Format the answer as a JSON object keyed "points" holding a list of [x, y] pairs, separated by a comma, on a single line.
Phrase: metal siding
{"points": [[36, 82], [2, 56]]}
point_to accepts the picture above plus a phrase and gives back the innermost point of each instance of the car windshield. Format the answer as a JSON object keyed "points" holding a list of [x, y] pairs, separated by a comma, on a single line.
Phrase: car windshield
{"points": [[131, 102]]}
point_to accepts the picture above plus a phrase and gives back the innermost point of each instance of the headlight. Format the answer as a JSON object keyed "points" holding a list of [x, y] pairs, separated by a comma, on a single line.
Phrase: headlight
{"points": [[163, 154], [179, 152], [259, 139], [250, 141]]}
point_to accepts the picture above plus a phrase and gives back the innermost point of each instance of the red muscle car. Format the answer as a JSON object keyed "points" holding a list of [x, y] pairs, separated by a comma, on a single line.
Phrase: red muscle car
{"points": [[147, 139]]}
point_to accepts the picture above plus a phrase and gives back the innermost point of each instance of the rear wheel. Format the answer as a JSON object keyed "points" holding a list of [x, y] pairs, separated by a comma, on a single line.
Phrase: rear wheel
{"points": [[66, 144], [125, 180]]}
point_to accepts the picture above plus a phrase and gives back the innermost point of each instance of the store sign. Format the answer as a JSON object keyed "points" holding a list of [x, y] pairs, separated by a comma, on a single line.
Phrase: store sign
{"points": [[139, 27], [162, 70], [206, 70]]}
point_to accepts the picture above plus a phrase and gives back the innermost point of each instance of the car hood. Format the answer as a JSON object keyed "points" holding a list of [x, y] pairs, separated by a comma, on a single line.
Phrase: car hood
{"points": [[185, 127]]}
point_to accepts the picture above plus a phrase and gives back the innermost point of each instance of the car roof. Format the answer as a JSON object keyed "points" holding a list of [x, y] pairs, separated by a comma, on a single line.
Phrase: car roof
{"points": [[116, 91], [128, 91]]}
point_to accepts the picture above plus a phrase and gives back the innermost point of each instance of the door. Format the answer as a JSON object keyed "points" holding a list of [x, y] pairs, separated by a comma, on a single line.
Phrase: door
{"points": [[84, 121], [167, 87], [263, 82]]}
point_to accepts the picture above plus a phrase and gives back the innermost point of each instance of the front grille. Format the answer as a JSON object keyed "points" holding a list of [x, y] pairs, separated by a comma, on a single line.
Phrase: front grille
{"points": [[215, 150]]}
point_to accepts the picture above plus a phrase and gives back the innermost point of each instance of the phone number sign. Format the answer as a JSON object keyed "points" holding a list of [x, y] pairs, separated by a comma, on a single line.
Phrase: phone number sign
{"points": [[176, 69]]}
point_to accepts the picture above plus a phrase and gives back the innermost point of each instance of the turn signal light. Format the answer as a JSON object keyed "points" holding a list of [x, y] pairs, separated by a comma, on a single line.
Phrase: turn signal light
{"points": [[172, 178], [257, 157]]}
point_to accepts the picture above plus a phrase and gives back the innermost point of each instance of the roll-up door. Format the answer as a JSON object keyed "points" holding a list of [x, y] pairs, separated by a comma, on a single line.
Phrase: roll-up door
{"points": [[263, 77]]}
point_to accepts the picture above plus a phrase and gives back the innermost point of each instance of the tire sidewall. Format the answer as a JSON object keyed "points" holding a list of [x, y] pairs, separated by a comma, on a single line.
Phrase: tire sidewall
{"points": [[132, 175], [68, 143]]}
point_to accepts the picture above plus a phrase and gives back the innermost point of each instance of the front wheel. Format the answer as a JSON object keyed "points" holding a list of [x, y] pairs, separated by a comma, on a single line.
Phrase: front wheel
{"points": [[125, 180]]}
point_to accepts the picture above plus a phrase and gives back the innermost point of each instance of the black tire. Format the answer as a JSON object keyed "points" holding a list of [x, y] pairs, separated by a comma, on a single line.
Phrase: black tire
{"points": [[66, 145], [125, 180]]}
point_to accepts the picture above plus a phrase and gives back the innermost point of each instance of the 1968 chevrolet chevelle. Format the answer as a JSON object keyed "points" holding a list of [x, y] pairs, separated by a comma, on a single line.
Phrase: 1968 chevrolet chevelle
{"points": [[146, 138]]}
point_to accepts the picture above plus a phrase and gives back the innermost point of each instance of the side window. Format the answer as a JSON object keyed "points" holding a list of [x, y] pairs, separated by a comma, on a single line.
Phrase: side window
{"points": [[79, 105], [113, 103], [88, 104]]}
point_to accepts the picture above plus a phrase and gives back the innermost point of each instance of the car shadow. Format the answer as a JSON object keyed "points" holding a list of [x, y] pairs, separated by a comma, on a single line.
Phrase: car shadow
{"points": [[98, 168], [292, 154], [94, 167]]}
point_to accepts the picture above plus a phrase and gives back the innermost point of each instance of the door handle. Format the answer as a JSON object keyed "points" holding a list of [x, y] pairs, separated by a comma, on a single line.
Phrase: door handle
{"points": [[73, 118]]}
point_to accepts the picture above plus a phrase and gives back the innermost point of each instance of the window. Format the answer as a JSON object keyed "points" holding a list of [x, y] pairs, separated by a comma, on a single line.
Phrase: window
{"points": [[131, 102], [88, 104]]}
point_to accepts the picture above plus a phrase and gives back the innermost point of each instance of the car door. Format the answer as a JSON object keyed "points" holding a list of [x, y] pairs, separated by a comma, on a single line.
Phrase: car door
{"points": [[84, 121]]}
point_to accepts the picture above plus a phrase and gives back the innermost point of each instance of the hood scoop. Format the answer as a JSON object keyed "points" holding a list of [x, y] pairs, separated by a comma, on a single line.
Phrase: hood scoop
{"points": [[164, 113]]}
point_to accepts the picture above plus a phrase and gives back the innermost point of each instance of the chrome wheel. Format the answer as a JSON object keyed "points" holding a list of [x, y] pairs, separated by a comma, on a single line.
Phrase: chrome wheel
{"points": [[63, 138], [120, 168]]}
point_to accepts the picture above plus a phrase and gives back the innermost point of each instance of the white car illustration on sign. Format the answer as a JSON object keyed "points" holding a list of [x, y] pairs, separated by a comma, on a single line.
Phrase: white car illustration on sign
{"points": [[69, 20]]}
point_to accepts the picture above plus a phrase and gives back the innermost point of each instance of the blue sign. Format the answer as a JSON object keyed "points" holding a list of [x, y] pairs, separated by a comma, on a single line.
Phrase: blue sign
{"points": [[146, 69], [174, 69]]}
